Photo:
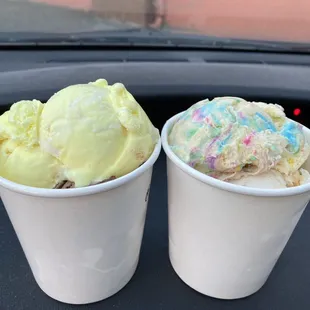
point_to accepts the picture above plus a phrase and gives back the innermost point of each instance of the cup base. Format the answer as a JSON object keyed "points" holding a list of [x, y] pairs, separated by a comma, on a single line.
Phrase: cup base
{"points": [[212, 291], [73, 299]]}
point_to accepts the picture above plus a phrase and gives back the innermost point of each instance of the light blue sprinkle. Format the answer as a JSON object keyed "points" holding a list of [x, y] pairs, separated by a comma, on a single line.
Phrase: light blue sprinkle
{"points": [[268, 124], [224, 142], [290, 131]]}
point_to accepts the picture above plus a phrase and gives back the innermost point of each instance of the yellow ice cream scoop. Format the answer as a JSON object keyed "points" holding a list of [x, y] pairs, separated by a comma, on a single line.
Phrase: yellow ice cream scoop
{"points": [[21, 159], [20, 123], [96, 131]]}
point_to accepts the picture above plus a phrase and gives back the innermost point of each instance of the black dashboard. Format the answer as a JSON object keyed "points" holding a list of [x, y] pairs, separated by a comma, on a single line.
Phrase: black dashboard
{"points": [[164, 83]]}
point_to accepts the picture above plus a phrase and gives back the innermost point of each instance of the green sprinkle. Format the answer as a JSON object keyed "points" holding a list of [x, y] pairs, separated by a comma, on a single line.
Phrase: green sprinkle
{"points": [[191, 133]]}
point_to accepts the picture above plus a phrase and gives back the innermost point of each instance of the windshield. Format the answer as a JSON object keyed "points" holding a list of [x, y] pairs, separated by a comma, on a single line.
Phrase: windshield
{"points": [[210, 23]]}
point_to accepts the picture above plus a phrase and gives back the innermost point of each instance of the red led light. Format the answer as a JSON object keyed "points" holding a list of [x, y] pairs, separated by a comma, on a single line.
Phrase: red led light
{"points": [[297, 112]]}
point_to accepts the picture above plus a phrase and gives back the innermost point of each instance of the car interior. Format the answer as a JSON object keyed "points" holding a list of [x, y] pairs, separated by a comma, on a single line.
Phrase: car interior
{"points": [[164, 82], [258, 52]]}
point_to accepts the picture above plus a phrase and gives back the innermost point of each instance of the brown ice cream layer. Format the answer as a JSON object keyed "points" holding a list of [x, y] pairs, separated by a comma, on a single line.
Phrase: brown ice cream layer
{"points": [[64, 184], [68, 184]]}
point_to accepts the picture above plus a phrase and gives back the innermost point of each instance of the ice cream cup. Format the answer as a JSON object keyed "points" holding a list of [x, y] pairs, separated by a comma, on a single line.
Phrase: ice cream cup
{"points": [[82, 244], [225, 239]]}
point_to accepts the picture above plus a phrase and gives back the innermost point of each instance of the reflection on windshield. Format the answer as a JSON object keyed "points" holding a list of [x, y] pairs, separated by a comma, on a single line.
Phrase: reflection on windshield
{"points": [[277, 20]]}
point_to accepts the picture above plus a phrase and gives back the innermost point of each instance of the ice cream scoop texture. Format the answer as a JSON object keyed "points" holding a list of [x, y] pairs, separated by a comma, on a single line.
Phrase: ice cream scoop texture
{"points": [[229, 138], [83, 134]]}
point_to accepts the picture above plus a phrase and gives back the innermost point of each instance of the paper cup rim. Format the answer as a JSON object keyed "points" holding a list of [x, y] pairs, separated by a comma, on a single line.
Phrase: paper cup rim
{"points": [[235, 188], [83, 191]]}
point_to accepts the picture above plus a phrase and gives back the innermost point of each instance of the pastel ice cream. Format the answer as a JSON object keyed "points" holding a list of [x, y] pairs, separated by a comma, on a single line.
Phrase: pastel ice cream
{"points": [[232, 139], [84, 134], [21, 159], [267, 180]]}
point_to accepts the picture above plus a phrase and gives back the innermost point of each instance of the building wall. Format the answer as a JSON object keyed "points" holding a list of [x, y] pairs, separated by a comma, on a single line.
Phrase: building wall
{"points": [[260, 19], [257, 19], [74, 4], [123, 10]]}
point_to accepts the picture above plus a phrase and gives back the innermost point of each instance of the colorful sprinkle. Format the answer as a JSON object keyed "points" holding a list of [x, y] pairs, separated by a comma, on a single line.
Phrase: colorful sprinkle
{"points": [[223, 136], [247, 140]]}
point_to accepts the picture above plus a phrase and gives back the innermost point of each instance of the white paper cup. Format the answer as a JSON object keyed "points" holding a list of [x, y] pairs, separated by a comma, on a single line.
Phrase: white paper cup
{"points": [[225, 239], [82, 244]]}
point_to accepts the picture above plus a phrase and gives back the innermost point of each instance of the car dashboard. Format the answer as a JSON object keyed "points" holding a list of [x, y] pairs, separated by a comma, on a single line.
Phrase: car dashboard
{"points": [[164, 83]]}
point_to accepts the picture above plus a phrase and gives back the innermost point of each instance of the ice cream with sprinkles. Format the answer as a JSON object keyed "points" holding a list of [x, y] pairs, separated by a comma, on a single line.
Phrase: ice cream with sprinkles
{"points": [[230, 138]]}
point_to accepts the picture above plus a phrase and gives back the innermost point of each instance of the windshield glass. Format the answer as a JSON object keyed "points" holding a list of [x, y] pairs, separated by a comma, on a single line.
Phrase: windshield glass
{"points": [[276, 21]]}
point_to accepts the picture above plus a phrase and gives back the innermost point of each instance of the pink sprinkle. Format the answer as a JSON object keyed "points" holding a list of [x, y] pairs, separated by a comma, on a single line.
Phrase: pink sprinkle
{"points": [[247, 140], [196, 116], [241, 115]]}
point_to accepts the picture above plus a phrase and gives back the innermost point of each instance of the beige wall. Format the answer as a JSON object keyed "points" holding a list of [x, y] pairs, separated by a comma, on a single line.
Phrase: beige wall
{"points": [[258, 19], [75, 4], [124, 10]]}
